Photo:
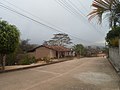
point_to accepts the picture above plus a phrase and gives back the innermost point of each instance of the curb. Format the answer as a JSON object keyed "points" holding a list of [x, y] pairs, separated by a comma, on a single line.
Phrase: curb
{"points": [[24, 68], [114, 66]]}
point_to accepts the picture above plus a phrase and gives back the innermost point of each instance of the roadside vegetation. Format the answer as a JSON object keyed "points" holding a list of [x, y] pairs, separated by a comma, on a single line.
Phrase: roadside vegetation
{"points": [[113, 37], [9, 40], [111, 10], [79, 50]]}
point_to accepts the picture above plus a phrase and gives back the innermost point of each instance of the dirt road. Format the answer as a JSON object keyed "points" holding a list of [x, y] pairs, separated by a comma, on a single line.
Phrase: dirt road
{"points": [[78, 74]]}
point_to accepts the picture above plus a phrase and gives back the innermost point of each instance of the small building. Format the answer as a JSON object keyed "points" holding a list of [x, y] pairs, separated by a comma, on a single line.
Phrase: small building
{"points": [[50, 51]]}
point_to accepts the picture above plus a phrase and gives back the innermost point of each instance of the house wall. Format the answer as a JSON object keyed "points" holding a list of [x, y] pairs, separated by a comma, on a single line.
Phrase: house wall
{"points": [[66, 53], [44, 52], [32, 54], [114, 56], [52, 54]]}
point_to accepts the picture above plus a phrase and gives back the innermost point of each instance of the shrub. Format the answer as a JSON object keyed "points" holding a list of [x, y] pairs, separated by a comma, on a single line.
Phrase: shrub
{"points": [[27, 60], [47, 59], [24, 61], [112, 37], [32, 60], [11, 59]]}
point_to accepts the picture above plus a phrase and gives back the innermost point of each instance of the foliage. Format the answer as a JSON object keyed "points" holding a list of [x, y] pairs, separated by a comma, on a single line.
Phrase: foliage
{"points": [[9, 40], [112, 37], [11, 59], [47, 59], [60, 39], [18, 55], [79, 49], [27, 60], [111, 8], [9, 37], [105, 50], [26, 46]]}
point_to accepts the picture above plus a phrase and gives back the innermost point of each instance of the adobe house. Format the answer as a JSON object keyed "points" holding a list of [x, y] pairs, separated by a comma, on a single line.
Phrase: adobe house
{"points": [[50, 51]]}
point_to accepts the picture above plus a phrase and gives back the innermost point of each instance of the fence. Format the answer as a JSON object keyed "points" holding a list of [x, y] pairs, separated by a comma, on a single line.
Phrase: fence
{"points": [[114, 57]]}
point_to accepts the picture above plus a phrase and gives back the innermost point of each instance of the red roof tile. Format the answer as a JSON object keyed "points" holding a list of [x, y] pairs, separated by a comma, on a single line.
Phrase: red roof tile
{"points": [[57, 48]]}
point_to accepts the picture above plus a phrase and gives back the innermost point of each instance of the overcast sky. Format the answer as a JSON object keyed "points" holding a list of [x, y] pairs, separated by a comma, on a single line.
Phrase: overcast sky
{"points": [[55, 14]]}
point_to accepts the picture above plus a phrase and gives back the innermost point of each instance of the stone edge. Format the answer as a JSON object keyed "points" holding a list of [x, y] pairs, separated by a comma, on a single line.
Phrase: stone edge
{"points": [[23, 68], [114, 66]]}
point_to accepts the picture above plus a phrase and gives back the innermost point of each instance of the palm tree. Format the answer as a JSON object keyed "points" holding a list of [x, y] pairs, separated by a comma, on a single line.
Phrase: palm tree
{"points": [[111, 8]]}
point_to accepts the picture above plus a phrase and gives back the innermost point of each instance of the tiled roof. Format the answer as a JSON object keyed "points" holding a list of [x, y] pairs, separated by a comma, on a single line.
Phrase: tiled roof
{"points": [[56, 48]]}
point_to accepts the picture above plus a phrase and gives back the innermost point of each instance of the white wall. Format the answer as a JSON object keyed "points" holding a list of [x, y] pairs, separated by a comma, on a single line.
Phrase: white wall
{"points": [[114, 56]]}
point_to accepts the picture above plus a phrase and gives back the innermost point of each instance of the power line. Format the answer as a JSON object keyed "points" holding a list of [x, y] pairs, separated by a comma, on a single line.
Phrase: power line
{"points": [[76, 8], [94, 28], [47, 22], [87, 11], [82, 5], [72, 10], [39, 18], [66, 7], [9, 8], [83, 15]]}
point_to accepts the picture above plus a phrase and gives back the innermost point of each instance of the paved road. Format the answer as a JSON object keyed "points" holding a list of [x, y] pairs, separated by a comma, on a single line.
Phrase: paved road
{"points": [[78, 74]]}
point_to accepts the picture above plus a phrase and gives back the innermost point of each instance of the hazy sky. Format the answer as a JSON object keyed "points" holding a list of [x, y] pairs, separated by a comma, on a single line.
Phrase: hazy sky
{"points": [[53, 13]]}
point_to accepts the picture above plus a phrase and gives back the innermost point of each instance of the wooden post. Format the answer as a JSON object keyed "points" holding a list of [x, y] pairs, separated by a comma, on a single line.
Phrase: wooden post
{"points": [[4, 58], [58, 55], [119, 46], [2, 61]]}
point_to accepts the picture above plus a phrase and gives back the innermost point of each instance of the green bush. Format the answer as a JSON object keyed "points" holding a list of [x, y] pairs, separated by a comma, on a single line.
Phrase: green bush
{"points": [[32, 60], [27, 60], [11, 59], [113, 36], [47, 59]]}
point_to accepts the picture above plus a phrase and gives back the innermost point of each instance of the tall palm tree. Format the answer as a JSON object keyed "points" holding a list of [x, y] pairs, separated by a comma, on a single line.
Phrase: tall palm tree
{"points": [[110, 8]]}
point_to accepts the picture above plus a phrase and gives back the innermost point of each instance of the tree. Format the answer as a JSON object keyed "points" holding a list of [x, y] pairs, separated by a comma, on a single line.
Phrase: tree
{"points": [[112, 37], [60, 39], [19, 54], [26, 46], [9, 40], [79, 49], [111, 8]]}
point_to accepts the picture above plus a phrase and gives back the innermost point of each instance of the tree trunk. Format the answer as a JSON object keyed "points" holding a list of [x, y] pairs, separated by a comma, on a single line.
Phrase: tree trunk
{"points": [[2, 61], [58, 55], [1, 58], [78, 56]]}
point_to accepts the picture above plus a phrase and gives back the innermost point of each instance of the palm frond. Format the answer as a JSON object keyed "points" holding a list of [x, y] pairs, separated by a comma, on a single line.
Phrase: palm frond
{"points": [[103, 6]]}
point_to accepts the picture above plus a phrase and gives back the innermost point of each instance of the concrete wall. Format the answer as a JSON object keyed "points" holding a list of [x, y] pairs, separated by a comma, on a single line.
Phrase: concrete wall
{"points": [[114, 56], [44, 52], [53, 54]]}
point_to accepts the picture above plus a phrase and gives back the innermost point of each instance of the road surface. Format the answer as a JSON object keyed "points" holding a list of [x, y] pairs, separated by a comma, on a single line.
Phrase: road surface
{"points": [[78, 74]]}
